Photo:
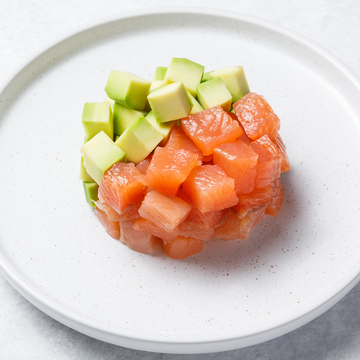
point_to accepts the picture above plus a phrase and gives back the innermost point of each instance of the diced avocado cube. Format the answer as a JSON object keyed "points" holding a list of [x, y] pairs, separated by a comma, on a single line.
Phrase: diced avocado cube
{"points": [[163, 128], [139, 140], [99, 154], [91, 192], [206, 76], [83, 175], [170, 102], [124, 117], [234, 79], [159, 73], [196, 107], [186, 71], [127, 89], [212, 93], [110, 101], [156, 84], [97, 117]]}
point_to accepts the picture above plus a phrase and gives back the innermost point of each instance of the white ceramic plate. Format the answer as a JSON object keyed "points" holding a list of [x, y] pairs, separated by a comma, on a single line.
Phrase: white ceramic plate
{"points": [[234, 294]]}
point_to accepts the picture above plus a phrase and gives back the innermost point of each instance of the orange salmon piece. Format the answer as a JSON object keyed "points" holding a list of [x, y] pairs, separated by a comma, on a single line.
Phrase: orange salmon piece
{"points": [[248, 223], [234, 228], [142, 166], [210, 189], [257, 199], [280, 146], [243, 137], [239, 162], [179, 140], [136, 240], [130, 213], [269, 161], [228, 230], [205, 221], [210, 128], [151, 228], [169, 168], [121, 186], [277, 198], [189, 230], [183, 247], [111, 227], [164, 211], [256, 116]]}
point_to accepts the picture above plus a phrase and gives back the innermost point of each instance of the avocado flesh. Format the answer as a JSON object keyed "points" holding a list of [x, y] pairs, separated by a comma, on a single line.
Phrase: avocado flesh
{"points": [[99, 154], [159, 73], [156, 84], [124, 117], [97, 117], [212, 93], [186, 71], [163, 128], [206, 76], [110, 101], [196, 107], [234, 79], [83, 175], [139, 140], [170, 102], [127, 89], [91, 192]]}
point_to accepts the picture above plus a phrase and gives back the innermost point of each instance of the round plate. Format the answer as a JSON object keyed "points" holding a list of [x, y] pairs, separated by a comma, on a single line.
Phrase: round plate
{"points": [[234, 294]]}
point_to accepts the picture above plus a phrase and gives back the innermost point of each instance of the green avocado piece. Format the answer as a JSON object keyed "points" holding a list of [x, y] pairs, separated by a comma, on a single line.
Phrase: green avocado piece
{"points": [[186, 71], [97, 117], [156, 84], [110, 101], [206, 76], [83, 175], [139, 140], [212, 93], [234, 79], [196, 107], [124, 117], [170, 102], [91, 192], [127, 89], [99, 154], [163, 128], [159, 73]]}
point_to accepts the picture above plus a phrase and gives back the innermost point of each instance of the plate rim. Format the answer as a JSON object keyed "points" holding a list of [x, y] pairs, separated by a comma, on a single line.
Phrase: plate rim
{"points": [[203, 343]]}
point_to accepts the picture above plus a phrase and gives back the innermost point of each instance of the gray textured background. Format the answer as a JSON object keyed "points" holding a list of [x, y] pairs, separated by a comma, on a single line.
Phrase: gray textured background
{"points": [[27, 333]]}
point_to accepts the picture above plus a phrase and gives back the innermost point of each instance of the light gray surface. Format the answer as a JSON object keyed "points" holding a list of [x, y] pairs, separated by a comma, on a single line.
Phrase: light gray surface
{"points": [[25, 332]]}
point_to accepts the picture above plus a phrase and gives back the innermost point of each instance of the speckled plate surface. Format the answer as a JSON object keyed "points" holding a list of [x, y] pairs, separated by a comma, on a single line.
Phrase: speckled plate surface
{"points": [[234, 294]]}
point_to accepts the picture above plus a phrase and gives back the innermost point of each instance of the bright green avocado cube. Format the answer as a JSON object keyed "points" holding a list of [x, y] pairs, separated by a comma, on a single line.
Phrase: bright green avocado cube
{"points": [[127, 89], [110, 101], [99, 154], [97, 117], [212, 93], [163, 128], [156, 84], [186, 71], [206, 76], [139, 140], [234, 79], [83, 175], [170, 102], [159, 73], [91, 192], [196, 107], [124, 117]]}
